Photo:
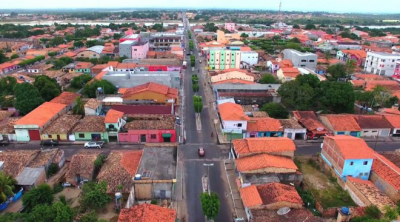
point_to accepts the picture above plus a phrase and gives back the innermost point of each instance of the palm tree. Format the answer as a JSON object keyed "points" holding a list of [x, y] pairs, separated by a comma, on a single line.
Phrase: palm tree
{"points": [[6, 186], [79, 108]]}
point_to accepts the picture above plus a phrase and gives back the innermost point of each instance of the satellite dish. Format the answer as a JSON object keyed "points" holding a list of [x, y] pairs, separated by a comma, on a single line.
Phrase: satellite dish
{"points": [[283, 211]]}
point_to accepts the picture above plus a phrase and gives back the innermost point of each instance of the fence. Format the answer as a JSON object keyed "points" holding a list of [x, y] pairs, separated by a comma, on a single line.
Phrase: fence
{"points": [[15, 198]]}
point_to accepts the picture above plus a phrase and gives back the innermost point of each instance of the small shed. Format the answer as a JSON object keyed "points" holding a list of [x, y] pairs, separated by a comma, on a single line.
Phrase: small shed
{"points": [[31, 177]]}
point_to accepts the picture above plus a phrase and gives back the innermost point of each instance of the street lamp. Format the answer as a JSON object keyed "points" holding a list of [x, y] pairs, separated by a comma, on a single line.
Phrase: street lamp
{"points": [[208, 175]]}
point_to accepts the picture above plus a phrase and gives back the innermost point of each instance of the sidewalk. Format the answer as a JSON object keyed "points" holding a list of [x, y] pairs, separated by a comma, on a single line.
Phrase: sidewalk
{"points": [[238, 210]]}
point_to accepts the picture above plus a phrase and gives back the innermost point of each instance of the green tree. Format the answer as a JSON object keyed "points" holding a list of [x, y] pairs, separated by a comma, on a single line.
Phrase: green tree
{"points": [[90, 217], [58, 211], [94, 195], [295, 40], [78, 44], [198, 103], [90, 89], [297, 96], [310, 26], [47, 87], [3, 58], [91, 43], [210, 204], [14, 56], [350, 67], [79, 108], [275, 110], [7, 101], [296, 26], [80, 81], [327, 56], [40, 195], [339, 97], [365, 97], [337, 71], [381, 95], [244, 35], [390, 213], [117, 36], [292, 45], [7, 85], [27, 98], [56, 41], [267, 79], [195, 87], [372, 211], [6, 186]]}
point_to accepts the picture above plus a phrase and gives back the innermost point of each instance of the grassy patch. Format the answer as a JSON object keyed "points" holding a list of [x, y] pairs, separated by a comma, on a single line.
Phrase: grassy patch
{"points": [[324, 187]]}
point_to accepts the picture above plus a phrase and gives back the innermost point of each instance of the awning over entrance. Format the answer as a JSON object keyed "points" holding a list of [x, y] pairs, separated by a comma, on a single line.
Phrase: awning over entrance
{"points": [[166, 135]]}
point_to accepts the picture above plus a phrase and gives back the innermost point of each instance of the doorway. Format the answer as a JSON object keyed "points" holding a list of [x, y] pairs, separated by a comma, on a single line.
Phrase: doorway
{"points": [[143, 138]]}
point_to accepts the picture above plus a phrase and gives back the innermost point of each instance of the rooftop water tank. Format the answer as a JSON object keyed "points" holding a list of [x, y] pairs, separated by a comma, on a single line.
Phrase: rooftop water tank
{"points": [[138, 177]]}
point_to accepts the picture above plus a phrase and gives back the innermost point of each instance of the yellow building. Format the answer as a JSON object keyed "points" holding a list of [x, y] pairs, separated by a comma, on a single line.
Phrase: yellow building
{"points": [[151, 93], [61, 128]]}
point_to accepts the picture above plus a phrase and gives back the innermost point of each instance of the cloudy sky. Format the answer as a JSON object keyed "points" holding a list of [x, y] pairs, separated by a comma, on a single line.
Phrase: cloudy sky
{"points": [[364, 6]]}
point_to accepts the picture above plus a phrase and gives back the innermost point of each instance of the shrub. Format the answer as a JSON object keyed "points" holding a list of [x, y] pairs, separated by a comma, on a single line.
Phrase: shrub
{"points": [[57, 188]]}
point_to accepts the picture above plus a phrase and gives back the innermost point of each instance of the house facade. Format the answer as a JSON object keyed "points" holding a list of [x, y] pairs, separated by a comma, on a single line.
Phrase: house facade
{"points": [[348, 156], [381, 63], [231, 74], [91, 128], [293, 130], [394, 121], [29, 127], [373, 125], [264, 127], [233, 119], [91, 53], [358, 56], [221, 59], [341, 124], [114, 123], [287, 74], [139, 50], [151, 93]]}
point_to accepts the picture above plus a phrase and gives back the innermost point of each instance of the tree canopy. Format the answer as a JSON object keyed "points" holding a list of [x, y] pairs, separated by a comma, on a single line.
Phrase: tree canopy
{"points": [[27, 98], [275, 110], [94, 195], [48, 87], [336, 72], [338, 97], [210, 204], [267, 79], [91, 88], [7, 85], [7, 183], [80, 81], [40, 195]]}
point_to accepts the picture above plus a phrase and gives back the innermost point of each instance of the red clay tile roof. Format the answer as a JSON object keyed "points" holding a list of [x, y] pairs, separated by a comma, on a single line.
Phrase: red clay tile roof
{"points": [[152, 87], [352, 147], [386, 170], [82, 164], [4, 114], [83, 65], [358, 53], [310, 121], [269, 194], [119, 169], [231, 112], [122, 90], [7, 125], [285, 63], [394, 120], [41, 115], [263, 124], [372, 122], [261, 161], [92, 103], [113, 116], [147, 213], [143, 109], [66, 98], [250, 196], [294, 215], [235, 81], [16, 160], [263, 145], [277, 192], [292, 72], [343, 123], [387, 84], [369, 77]]}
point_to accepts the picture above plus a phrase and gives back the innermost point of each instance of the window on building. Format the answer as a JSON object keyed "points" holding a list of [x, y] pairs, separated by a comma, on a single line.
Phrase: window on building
{"points": [[312, 61], [239, 125], [82, 55], [135, 50], [81, 135], [365, 174], [365, 162], [153, 136], [351, 163], [360, 175], [303, 60], [50, 136]]}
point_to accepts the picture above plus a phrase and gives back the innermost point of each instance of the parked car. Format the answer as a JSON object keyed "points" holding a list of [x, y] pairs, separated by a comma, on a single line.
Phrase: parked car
{"points": [[96, 144], [49, 143], [4, 142], [66, 184], [201, 152]]}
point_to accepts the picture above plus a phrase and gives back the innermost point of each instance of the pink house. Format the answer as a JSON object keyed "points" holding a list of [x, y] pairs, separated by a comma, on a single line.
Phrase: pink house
{"points": [[230, 27], [139, 50]]}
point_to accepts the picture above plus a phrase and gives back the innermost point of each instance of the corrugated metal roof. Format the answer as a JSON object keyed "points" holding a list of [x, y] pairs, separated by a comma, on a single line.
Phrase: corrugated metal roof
{"points": [[29, 175]]}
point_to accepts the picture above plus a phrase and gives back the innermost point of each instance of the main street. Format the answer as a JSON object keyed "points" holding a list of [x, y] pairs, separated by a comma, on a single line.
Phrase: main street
{"points": [[193, 165]]}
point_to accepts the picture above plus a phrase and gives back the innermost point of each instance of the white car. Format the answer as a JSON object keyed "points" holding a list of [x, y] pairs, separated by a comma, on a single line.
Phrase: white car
{"points": [[97, 145], [66, 184]]}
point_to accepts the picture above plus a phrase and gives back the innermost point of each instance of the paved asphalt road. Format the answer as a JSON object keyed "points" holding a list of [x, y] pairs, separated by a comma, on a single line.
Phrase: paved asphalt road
{"points": [[193, 165]]}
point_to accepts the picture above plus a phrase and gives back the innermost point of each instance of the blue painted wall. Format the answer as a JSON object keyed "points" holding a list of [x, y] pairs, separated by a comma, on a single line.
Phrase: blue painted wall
{"points": [[356, 168]]}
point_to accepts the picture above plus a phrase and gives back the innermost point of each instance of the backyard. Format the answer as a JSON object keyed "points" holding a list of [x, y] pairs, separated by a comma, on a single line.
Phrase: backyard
{"points": [[323, 187]]}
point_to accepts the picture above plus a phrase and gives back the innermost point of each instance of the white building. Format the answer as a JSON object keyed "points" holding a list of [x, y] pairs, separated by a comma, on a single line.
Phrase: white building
{"points": [[249, 57], [381, 63], [300, 59]]}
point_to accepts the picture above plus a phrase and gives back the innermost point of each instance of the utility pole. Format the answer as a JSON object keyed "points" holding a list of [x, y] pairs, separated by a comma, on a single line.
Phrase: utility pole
{"points": [[280, 13]]}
